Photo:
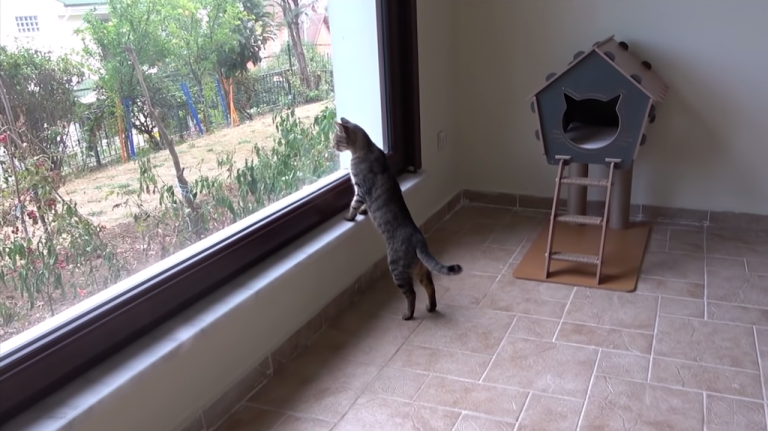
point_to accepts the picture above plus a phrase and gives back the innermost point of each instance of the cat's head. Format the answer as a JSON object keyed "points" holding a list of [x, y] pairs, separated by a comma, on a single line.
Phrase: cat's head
{"points": [[348, 137]]}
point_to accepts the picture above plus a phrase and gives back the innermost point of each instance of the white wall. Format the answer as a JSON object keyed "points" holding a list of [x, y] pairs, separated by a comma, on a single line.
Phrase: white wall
{"points": [[709, 146], [55, 33]]}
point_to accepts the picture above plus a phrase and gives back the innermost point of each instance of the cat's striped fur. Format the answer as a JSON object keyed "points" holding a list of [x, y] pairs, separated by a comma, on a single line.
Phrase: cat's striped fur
{"points": [[378, 194]]}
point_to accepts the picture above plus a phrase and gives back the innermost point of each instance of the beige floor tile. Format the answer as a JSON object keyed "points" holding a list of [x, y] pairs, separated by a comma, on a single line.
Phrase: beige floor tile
{"points": [[373, 339], [737, 288], [516, 230], [484, 259], [476, 233], [481, 213], [520, 253], [467, 330], [756, 266], [660, 286], [543, 366], [733, 313], [295, 423], [674, 266], [617, 404], [706, 342], [623, 365], [605, 338], [531, 298], [634, 312], [250, 418], [386, 414], [534, 327], [544, 412], [742, 243], [316, 385], [479, 398], [385, 298], [470, 422], [708, 378], [729, 414], [686, 240], [397, 383], [486, 360], [466, 290], [681, 307], [762, 342], [450, 363]]}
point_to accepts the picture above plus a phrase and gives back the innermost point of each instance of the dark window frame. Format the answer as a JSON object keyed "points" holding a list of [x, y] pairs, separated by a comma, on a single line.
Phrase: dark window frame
{"points": [[36, 370]]}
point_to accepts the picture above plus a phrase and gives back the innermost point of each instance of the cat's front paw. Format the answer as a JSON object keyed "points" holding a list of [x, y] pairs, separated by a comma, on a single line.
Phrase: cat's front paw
{"points": [[363, 212], [350, 217]]}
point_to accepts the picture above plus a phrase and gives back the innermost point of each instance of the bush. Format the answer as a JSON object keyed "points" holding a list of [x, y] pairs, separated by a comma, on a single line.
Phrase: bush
{"points": [[300, 155]]}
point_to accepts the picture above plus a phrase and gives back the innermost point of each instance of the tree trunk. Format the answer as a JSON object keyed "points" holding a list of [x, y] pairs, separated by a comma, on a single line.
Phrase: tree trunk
{"points": [[192, 206], [292, 14]]}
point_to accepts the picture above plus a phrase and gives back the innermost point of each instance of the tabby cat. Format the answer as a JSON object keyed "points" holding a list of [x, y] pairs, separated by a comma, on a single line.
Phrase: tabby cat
{"points": [[378, 193]]}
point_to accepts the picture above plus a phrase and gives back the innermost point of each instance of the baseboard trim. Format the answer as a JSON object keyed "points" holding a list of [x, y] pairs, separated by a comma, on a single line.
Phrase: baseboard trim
{"points": [[651, 213]]}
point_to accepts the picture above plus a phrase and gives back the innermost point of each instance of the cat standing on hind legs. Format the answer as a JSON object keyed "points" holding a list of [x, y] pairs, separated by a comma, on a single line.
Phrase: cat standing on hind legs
{"points": [[378, 194]]}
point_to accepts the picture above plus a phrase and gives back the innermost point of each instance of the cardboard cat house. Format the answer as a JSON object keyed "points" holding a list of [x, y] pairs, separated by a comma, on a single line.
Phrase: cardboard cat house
{"points": [[595, 112]]}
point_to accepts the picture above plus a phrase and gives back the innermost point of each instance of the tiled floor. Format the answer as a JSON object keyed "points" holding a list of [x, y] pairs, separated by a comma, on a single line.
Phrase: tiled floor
{"points": [[687, 351]]}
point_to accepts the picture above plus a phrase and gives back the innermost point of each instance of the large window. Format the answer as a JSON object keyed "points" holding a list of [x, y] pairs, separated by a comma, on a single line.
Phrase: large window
{"points": [[164, 157]]}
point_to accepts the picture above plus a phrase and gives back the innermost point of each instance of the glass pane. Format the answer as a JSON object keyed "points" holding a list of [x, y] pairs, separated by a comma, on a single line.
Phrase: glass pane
{"points": [[97, 188]]}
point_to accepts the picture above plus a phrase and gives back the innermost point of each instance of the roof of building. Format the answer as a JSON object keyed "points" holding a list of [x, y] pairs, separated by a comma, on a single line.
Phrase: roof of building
{"points": [[70, 3]]}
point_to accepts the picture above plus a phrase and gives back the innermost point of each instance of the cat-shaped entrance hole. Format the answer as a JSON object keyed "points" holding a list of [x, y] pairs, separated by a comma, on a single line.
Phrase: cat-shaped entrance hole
{"points": [[591, 123]]}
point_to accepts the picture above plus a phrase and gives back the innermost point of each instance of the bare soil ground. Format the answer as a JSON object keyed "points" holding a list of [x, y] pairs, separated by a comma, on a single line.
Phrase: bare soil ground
{"points": [[98, 196]]}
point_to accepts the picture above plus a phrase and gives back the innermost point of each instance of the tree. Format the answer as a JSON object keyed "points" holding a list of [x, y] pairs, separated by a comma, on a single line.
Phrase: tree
{"points": [[40, 91], [292, 11], [139, 23], [252, 32]]}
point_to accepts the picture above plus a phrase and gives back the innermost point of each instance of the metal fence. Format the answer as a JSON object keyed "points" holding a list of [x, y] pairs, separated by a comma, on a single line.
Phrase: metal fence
{"points": [[100, 138]]}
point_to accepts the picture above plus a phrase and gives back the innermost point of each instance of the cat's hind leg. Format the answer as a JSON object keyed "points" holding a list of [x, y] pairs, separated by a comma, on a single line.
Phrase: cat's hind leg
{"points": [[404, 281], [424, 275]]}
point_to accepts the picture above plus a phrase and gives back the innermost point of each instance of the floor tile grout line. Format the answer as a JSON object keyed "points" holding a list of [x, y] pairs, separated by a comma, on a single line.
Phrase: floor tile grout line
{"points": [[706, 296], [585, 346], [505, 419], [522, 411], [416, 395], [493, 385], [493, 358], [762, 376], [669, 235], [562, 318], [589, 390], [271, 374], [653, 341]]}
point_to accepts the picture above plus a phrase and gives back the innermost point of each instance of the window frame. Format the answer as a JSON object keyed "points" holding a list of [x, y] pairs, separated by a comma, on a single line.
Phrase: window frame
{"points": [[46, 364]]}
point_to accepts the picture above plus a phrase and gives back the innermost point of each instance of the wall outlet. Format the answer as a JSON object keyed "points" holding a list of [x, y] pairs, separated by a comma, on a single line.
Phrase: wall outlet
{"points": [[442, 140]]}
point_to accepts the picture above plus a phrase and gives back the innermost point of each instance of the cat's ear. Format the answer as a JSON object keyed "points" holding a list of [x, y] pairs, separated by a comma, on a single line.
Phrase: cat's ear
{"points": [[345, 122]]}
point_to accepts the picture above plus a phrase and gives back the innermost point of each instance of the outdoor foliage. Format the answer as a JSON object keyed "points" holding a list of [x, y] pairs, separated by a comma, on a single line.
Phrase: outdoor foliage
{"points": [[299, 155], [41, 103], [52, 254]]}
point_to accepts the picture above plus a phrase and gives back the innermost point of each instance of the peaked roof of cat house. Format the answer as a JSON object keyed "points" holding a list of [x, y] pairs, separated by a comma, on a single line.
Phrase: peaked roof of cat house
{"points": [[634, 69]]}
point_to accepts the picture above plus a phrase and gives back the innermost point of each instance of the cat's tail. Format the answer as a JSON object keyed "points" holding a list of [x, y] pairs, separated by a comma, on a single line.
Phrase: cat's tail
{"points": [[433, 264]]}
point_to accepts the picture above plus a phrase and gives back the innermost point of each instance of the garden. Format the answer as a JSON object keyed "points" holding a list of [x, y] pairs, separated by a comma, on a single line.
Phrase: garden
{"points": [[162, 130]]}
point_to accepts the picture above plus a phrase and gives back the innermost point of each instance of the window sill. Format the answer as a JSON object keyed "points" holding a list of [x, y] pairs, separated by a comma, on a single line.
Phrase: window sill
{"points": [[165, 379]]}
